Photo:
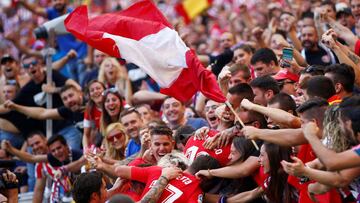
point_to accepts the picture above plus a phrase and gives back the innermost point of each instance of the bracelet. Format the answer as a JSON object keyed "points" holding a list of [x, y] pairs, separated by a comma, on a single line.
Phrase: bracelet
{"points": [[222, 199], [211, 175], [164, 178]]}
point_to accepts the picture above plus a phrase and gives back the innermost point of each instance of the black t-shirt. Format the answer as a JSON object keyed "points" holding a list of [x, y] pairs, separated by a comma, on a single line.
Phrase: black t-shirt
{"points": [[72, 118], [75, 155], [319, 57], [25, 97]]}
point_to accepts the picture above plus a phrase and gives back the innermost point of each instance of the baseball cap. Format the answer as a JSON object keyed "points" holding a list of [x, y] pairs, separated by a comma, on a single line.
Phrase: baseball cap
{"points": [[6, 58], [286, 74]]}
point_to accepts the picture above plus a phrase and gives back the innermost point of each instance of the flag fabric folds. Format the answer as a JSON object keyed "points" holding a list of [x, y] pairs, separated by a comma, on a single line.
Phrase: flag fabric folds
{"points": [[142, 35], [189, 9]]}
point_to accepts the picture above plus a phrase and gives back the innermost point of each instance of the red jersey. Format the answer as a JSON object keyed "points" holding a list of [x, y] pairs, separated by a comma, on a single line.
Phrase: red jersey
{"points": [[92, 120], [306, 154], [180, 190], [195, 148]]}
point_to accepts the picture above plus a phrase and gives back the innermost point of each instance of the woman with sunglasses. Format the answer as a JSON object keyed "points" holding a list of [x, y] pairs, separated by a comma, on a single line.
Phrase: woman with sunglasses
{"points": [[114, 75], [111, 108], [115, 143], [93, 112]]}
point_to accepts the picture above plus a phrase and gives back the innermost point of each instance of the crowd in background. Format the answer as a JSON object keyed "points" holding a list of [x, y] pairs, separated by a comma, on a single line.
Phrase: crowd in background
{"points": [[289, 68]]}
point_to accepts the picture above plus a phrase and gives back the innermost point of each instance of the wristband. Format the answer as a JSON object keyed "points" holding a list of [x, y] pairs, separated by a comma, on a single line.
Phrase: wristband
{"points": [[209, 171], [222, 199], [165, 178]]}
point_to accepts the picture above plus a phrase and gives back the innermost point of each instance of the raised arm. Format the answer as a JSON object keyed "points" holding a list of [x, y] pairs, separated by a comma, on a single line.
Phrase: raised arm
{"points": [[24, 156], [332, 179], [59, 64], [34, 112], [38, 10], [330, 159], [277, 115], [283, 137], [239, 170]]}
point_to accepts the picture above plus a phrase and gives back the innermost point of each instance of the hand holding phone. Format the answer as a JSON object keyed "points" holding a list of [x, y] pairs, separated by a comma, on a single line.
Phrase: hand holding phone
{"points": [[287, 57]]}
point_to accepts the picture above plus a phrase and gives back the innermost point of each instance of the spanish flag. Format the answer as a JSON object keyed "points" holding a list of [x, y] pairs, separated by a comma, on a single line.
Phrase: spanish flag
{"points": [[189, 9]]}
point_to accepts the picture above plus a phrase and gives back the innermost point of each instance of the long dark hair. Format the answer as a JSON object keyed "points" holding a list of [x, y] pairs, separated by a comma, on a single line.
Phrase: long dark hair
{"points": [[244, 147], [90, 104], [105, 117], [278, 189]]}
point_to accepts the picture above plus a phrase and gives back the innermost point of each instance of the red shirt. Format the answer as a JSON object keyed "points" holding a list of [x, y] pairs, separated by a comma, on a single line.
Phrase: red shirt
{"points": [[93, 119], [194, 148], [180, 190], [259, 176], [306, 154]]}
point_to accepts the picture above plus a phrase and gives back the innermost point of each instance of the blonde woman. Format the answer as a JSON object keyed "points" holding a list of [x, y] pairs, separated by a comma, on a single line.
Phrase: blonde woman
{"points": [[113, 74], [115, 143]]}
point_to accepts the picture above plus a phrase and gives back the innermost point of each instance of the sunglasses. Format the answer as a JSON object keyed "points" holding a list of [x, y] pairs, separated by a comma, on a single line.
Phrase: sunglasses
{"points": [[32, 63], [111, 138], [110, 90]]}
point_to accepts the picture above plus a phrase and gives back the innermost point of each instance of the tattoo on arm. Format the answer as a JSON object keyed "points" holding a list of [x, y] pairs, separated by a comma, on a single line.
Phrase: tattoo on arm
{"points": [[353, 57], [153, 195]]}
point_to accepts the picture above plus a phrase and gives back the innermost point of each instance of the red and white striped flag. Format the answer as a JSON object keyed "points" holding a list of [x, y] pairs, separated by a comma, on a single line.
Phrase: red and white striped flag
{"points": [[141, 35]]}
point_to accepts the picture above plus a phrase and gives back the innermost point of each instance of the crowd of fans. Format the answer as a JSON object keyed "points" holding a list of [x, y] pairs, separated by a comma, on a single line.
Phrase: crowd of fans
{"points": [[293, 135]]}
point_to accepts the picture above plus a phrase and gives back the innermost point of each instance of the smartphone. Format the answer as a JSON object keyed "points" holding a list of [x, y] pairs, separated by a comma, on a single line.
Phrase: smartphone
{"points": [[287, 54]]}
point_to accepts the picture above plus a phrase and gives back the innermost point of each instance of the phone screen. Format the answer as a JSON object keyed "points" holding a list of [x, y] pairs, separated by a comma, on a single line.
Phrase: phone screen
{"points": [[287, 54]]}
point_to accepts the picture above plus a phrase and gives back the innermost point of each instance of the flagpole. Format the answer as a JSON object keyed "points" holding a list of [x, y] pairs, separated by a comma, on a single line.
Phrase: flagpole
{"points": [[227, 103]]}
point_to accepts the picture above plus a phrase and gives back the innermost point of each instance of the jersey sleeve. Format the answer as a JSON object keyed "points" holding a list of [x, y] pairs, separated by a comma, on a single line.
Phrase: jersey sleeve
{"points": [[38, 170], [142, 174], [357, 47]]}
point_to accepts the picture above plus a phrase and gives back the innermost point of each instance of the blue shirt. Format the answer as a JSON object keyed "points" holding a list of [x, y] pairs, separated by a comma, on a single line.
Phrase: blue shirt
{"points": [[132, 148], [197, 123], [66, 42]]}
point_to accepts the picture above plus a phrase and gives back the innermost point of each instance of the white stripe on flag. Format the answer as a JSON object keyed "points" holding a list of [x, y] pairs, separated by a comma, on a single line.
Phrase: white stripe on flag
{"points": [[160, 55]]}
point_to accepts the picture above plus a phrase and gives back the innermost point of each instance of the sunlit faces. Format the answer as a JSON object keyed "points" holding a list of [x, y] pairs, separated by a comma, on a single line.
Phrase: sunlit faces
{"points": [[98, 57], [238, 78], [309, 37], [95, 92], [10, 69], [59, 151], [117, 139], [210, 115], [242, 57], [38, 144], [72, 99], [226, 40], [112, 105], [9, 92], [132, 123], [173, 110], [161, 145], [264, 159], [33, 68], [355, 9], [262, 69], [110, 70], [146, 114], [224, 113], [259, 96], [234, 155]]}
